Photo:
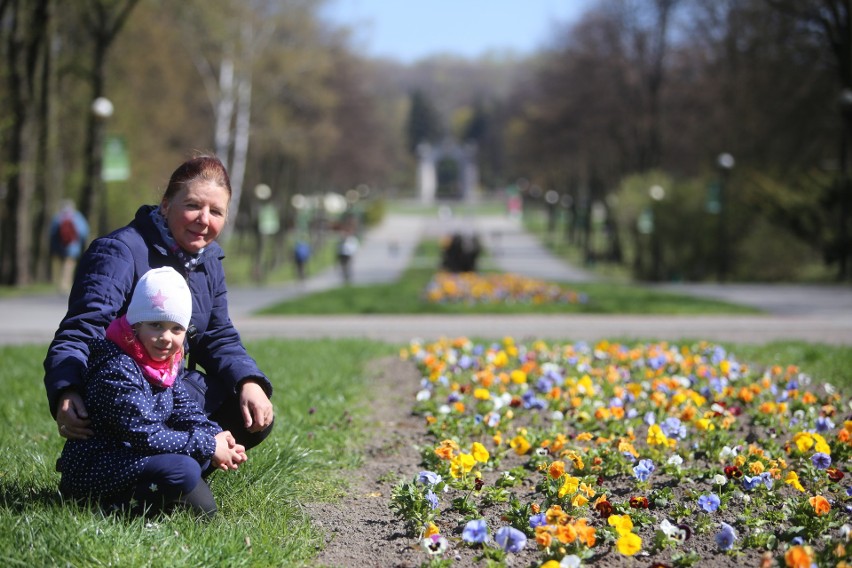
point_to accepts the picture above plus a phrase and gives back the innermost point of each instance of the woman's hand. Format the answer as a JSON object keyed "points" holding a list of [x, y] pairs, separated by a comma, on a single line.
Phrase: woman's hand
{"points": [[71, 417], [255, 406], [228, 454]]}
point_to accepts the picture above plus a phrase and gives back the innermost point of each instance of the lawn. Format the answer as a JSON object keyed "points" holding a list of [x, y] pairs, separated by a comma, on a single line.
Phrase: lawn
{"points": [[407, 296], [322, 396]]}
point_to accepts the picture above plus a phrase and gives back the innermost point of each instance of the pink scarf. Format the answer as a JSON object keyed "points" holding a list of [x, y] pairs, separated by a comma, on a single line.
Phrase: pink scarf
{"points": [[158, 373]]}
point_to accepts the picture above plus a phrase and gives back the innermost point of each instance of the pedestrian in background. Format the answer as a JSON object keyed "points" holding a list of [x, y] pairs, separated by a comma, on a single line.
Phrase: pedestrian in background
{"points": [[301, 254], [68, 233], [346, 249]]}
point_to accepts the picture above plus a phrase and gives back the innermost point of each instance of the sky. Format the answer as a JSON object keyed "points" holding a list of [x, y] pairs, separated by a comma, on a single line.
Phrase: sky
{"points": [[408, 30]]}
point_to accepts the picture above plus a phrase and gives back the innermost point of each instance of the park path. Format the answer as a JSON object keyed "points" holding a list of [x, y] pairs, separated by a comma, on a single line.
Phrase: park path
{"points": [[818, 313]]}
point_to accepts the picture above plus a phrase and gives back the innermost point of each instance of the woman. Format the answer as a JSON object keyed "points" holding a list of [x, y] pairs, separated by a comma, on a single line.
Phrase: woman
{"points": [[152, 442], [180, 233]]}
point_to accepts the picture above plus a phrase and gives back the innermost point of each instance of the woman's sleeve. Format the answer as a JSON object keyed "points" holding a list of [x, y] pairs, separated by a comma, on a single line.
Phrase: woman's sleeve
{"points": [[187, 415], [219, 350], [121, 398], [101, 290]]}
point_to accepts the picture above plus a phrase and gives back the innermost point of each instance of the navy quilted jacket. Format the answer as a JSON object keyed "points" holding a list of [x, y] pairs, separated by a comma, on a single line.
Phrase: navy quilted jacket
{"points": [[132, 420], [106, 276]]}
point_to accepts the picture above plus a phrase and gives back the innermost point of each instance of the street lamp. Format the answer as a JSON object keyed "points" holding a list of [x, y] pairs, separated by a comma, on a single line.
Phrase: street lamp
{"points": [[657, 193], [93, 199], [725, 162]]}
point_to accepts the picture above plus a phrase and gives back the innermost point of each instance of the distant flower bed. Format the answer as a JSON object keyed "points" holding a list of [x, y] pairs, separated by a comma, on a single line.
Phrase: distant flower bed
{"points": [[563, 455], [492, 288]]}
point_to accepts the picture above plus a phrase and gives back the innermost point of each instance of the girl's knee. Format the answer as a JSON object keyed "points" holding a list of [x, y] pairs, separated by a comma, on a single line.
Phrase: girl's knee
{"points": [[178, 472]]}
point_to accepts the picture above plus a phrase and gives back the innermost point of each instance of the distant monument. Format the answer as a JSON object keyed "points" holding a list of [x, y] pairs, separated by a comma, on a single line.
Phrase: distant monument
{"points": [[427, 173]]}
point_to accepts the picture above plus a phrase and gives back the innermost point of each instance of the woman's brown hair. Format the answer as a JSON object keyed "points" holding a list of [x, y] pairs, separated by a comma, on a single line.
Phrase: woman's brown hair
{"points": [[207, 168]]}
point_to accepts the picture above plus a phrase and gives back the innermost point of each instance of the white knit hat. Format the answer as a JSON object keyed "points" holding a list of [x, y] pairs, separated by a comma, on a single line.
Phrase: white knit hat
{"points": [[161, 295]]}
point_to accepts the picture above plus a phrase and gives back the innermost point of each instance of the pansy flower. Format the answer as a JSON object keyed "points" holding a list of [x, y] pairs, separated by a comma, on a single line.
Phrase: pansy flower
{"points": [[726, 537], [435, 544], [628, 544], [510, 539], [792, 478], [821, 460], [475, 531], [638, 502], [834, 474], [820, 505], [642, 470], [709, 502]]}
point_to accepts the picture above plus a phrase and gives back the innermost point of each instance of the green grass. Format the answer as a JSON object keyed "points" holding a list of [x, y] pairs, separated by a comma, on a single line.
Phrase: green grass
{"points": [[405, 297], [322, 399]]}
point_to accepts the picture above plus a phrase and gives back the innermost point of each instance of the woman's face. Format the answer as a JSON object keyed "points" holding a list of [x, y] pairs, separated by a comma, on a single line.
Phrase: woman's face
{"points": [[196, 214], [161, 339]]}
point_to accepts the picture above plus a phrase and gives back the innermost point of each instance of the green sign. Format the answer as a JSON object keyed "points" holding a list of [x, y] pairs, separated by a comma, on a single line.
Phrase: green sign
{"points": [[267, 221], [116, 162], [713, 205]]}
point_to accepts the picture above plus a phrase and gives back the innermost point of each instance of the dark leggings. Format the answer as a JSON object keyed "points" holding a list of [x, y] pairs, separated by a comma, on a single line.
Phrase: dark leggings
{"points": [[173, 479]]}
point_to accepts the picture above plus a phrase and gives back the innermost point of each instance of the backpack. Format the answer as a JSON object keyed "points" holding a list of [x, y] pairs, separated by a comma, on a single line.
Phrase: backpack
{"points": [[67, 231]]}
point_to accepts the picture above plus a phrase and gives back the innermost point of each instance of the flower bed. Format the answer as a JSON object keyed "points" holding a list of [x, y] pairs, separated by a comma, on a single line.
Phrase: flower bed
{"points": [[492, 288], [566, 455]]}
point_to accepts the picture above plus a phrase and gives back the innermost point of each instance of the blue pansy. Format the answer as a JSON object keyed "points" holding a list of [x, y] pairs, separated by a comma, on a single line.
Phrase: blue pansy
{"points": [[475, 531], [510, 539]]}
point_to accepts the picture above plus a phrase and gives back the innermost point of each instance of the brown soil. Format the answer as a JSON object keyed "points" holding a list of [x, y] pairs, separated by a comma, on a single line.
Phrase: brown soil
{"points": [[363, 532]]}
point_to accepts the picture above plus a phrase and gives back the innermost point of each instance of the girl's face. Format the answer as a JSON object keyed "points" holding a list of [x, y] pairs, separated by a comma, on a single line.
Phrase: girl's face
{"points": [[161, 339], [196, 214]]}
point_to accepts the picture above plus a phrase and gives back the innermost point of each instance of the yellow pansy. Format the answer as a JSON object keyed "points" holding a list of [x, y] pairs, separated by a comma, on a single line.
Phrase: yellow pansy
{"points": [[431, 528], [481, 394], [500, 359], [656, 436], [479, 452], [461, 464], [569, 486], [623, 523], [792, 478], [518, 376], [579, 500], [520, 445], [820, 445], [803, 441], [628, 544]]}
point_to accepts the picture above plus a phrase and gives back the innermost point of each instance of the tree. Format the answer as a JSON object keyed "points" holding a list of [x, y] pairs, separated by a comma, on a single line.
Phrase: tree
{"points": [[103, 19], [24, 26], [424, 123]]}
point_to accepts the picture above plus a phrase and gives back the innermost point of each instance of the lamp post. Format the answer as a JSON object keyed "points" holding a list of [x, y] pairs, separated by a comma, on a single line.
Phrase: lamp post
{"points": [[726, 163], [94, 201], [657, 193]]}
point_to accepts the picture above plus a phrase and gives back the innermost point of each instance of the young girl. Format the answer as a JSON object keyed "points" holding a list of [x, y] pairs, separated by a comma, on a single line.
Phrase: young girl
{"points": [[151, 441]]}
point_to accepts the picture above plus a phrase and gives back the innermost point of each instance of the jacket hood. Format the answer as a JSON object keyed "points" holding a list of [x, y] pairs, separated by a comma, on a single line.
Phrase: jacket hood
{"points": [[152, 236]]}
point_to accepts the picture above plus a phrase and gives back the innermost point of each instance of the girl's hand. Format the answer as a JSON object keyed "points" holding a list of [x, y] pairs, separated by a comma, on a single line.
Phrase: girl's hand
{"points": [[229, 454]]}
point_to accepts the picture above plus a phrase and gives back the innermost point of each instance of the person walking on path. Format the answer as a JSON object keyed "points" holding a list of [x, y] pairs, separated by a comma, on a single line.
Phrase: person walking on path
{"points": [[180, 232], [346, 249], [152, 442], [68, 233]]}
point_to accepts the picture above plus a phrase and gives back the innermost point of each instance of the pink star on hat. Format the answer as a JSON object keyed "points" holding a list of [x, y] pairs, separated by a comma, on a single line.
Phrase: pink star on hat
{"points": [[159, 300]]}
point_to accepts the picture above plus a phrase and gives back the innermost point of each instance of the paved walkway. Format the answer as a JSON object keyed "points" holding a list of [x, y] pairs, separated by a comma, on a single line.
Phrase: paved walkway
{"points": [[812, 313]]}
